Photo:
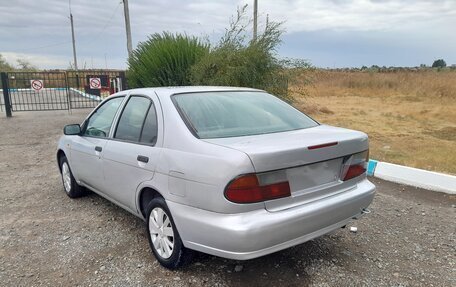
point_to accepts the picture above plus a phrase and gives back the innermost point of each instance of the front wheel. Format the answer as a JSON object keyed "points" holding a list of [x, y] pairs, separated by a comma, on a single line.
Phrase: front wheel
{"points": [[164, 240], [71, 187]]}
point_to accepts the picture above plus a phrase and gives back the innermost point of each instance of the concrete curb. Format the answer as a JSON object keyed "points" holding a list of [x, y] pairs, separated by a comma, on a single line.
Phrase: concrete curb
{"points": [[28, 89], [413, 176]]}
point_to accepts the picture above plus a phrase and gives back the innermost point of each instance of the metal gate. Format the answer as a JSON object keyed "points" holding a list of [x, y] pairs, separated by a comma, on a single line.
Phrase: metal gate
{"points": [[59, 90]]}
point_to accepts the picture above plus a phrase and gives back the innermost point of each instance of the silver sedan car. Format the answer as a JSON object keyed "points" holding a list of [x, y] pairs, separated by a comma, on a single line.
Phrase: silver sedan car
{"points": [[232, 172]]}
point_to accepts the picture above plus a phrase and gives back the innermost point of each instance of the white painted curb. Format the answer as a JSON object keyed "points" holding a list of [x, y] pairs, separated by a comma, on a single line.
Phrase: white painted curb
{"points": [[93, 97], [416, 177]]}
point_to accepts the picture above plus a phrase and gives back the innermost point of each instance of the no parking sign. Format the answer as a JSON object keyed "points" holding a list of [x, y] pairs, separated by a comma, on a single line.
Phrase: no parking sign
{"points": [[36, 84], [95, 83]]}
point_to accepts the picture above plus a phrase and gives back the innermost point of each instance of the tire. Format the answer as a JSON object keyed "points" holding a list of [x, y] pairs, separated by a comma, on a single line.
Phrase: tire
{"points": [[164, 240], [70, 186]]}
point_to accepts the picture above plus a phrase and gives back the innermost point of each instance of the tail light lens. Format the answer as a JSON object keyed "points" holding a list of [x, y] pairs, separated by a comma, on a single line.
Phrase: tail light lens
{"points": [[354, 165], [253, 188]]}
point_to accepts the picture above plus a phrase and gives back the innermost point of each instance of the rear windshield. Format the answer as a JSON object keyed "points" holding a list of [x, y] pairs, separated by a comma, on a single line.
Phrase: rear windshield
{"points": [[238, 113]]}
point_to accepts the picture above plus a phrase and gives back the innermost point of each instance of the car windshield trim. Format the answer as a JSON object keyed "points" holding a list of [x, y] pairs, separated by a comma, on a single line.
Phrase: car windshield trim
{"points": [[284, 123]]}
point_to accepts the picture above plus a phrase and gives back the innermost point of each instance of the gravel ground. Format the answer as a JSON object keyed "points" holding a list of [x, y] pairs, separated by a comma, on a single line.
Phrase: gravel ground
{"points": [[48, 239]]}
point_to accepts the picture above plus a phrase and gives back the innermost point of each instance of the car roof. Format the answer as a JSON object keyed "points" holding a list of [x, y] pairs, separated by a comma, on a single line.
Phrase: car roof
{"points": [[167, 91]]}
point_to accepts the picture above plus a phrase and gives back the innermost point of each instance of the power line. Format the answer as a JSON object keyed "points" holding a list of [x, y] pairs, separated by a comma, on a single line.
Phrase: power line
{"points": [[45, 46], [255, 19], [104, 28], [109, 20]]}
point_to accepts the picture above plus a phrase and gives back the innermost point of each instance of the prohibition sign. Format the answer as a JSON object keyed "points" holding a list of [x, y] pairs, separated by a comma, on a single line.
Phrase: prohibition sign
{"points": [[36, 84], [95, 83]]}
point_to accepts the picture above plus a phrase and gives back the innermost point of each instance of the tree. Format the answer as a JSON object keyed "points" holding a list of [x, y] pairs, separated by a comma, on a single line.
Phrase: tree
{"points": [[4, 65], [440, 63], [237, 61], [164, 60], [25, 65]]}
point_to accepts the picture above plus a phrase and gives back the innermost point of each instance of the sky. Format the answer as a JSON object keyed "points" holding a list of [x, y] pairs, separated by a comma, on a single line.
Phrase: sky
{"points": [[328, 33]]}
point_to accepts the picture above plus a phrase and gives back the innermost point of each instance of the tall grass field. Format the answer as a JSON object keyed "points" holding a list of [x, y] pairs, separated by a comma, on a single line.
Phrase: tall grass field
{"points": [[410, 116]]}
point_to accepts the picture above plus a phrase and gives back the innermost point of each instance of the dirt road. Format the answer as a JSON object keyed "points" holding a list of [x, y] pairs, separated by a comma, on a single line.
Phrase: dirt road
{"points": [[48, 239]]}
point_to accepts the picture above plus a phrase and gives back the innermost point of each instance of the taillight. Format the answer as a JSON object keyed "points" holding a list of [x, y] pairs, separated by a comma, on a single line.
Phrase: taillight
{"points": [[354, 171], [354, 165], [252, 188]]}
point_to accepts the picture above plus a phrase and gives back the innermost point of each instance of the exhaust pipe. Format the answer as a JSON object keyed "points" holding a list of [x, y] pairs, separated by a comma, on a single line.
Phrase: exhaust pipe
{"points": [[365, 211]]}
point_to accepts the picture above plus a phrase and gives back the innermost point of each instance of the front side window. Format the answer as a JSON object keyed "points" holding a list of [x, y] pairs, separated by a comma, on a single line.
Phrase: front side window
{"points": [[238, 113], [99, 123], [131, 121]]}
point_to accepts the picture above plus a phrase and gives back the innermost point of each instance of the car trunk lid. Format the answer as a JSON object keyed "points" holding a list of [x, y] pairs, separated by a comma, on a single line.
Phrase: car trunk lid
{"points": [[311, 158]]}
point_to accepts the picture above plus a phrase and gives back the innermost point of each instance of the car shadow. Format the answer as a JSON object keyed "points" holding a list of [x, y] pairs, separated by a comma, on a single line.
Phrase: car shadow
{"points": [[290, 267]]}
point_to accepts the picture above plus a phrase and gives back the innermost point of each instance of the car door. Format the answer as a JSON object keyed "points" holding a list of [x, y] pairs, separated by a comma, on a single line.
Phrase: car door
{"points": [[131, 155], [87, 149]]}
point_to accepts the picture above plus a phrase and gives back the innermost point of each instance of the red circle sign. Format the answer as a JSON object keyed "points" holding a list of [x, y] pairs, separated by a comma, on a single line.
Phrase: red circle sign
{"points": [[37, 85], [95, 83]]}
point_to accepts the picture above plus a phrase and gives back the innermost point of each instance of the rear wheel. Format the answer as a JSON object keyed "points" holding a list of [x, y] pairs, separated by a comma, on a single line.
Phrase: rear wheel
{"points": [[70, 186], [164, 240]]}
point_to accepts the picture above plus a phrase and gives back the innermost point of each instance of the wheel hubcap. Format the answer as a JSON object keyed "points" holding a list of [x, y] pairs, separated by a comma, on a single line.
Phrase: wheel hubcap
{"points": [[161, 232], [66, 177]]}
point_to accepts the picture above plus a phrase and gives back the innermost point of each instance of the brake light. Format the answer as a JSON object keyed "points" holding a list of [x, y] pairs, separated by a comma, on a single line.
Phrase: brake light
{"points": [[247, 189], [322, 145], [355, 165]]}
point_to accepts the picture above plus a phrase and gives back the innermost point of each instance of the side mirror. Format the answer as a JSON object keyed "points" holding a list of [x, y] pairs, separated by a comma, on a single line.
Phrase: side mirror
{"points": [[72, 130]]}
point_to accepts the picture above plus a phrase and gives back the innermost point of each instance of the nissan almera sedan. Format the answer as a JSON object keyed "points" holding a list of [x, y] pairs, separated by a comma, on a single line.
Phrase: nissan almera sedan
{"points": [[232, 172]]}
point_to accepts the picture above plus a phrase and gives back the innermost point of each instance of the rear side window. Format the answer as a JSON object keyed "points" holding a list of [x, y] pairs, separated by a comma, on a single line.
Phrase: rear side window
{"points": [[149, 132], [132, 119]]}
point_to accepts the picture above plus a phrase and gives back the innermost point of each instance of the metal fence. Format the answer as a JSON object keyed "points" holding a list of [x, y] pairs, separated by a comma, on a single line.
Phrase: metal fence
{"points": [[58, 90]]}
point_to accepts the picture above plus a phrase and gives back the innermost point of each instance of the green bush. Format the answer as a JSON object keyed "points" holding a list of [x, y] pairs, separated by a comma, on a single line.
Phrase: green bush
{"points": [[164, 60], [234, 66], [176, 60]]}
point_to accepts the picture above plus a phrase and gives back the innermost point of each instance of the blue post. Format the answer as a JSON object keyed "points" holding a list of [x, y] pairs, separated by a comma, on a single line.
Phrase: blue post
{"points": [[371, 167]]}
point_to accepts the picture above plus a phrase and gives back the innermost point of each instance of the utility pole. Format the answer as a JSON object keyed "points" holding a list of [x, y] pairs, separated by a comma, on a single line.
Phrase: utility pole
{"points": [[74, 41], [127, 27], [255, 19]]}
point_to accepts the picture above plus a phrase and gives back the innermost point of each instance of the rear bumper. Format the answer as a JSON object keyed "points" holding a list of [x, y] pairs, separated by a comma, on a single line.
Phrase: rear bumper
{"points": [[253, 234]]}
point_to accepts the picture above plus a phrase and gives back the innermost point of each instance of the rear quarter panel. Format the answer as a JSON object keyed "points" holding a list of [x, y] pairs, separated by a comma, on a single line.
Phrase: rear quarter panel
{"points": [[193, 172]]}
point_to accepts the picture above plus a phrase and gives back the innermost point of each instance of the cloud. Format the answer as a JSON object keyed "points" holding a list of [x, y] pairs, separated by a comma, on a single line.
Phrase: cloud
{"points": [[38, 60], [355, 49], [41, 29], [359, 15]]}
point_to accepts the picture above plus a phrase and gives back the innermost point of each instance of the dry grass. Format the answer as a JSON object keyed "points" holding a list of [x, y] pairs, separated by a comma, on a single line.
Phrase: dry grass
{"points": [[410, 117]]}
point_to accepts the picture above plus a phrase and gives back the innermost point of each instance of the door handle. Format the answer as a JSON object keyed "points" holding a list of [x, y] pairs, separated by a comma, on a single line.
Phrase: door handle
{"points": [[98, 148], [142, 158]]}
